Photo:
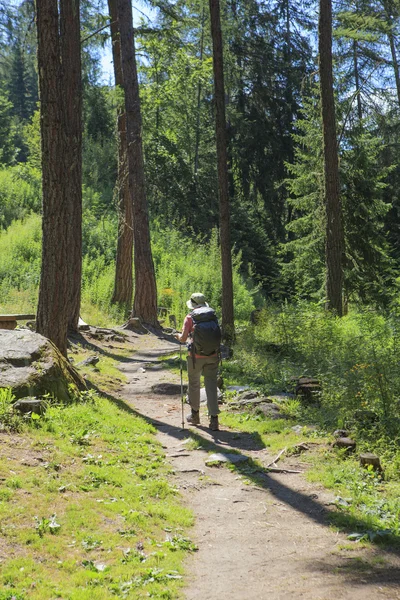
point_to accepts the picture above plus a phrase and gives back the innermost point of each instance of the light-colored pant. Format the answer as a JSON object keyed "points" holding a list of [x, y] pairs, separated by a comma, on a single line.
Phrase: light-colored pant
{"points": [[207, 366]]}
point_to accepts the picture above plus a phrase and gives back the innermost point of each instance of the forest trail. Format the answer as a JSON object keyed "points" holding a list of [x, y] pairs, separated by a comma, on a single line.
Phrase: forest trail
{"points": [[255, 542]]}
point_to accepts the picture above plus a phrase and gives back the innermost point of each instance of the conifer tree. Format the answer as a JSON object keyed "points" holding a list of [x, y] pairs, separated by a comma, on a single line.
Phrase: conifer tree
{"points": [[334, 242], [145, 299], [222, 159]]}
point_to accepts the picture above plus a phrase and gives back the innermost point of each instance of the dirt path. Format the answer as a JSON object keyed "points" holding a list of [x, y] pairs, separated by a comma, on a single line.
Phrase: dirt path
{"points": [[270, 541]]}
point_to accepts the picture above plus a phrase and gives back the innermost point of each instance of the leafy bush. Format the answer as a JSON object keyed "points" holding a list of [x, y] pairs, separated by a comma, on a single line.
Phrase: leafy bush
{"points": [[355, 358], [18, 196], [186, 265]]}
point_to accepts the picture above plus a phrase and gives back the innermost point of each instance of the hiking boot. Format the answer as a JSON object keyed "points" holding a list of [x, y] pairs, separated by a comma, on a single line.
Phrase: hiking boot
{"points": [[194, 417], [214, 425]]}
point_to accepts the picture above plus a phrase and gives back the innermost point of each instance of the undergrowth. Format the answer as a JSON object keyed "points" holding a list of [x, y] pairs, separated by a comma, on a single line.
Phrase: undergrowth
{"points": [[86, 510]]}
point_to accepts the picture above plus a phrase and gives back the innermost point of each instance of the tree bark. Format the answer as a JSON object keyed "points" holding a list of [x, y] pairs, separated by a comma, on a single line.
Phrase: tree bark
{"points": [[123, 284], [145, 299], [388, 7], [52, 313], [223, 186], [334, 245], [197, 143], [72, 97]]}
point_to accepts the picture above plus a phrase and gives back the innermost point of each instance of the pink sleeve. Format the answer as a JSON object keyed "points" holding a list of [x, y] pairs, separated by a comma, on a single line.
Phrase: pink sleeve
{"points": [[187, 328]]}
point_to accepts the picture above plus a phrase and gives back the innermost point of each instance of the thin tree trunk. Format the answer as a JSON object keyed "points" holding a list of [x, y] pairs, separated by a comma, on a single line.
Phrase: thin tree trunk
{"points": [[334, 228], [123, 284], [223, 187], [357, 79], [52, 312], [145, 300], [388, 10], [197, 142], [70, 45]]}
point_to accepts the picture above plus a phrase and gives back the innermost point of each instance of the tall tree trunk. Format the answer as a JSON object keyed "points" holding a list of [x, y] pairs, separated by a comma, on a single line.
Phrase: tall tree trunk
{"points": [[389, 16], [123, 284], [334, 245], [357, 79], [72, 97], [223, 187], [52, 313], [145, 300], [197, 142]]}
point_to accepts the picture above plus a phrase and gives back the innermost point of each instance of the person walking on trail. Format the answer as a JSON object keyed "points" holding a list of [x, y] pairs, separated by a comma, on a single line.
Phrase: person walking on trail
{"points": [[202, 333]]}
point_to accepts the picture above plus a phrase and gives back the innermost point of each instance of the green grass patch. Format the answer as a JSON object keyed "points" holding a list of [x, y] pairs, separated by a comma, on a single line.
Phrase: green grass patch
{"points": [[86, 510]]}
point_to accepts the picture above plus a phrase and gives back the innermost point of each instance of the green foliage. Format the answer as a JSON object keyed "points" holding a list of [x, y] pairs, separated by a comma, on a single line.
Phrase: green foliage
{"points": [[367, 267], [7, 131], [122, 472], [9, 420], [18, 196], [185, 265], [20, 257], [354, 358]]}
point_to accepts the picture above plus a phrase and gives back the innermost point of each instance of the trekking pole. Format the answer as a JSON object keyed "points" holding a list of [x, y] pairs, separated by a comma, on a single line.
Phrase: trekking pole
{"points": [[180, 361]]}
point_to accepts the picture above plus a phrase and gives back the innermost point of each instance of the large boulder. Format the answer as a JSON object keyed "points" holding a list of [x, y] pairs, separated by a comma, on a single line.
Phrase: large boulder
{"points": [[32, 366]]}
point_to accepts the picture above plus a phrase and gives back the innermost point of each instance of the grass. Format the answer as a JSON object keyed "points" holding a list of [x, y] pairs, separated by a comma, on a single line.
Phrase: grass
{"points": [[86, 507]]}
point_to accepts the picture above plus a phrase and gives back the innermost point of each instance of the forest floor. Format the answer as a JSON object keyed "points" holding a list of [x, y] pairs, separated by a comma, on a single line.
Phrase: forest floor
{"points": [[255, 541]]}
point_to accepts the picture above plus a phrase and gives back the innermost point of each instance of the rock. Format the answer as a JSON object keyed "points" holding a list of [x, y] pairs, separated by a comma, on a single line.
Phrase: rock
{"points": [[371, 460], [203, 395], [219, 458], [237, 388], [168, 389], [250, 395], [345, 442], [30, 405], [340, 433], [32, 366], [271, 411], [91, 360], [82, 326]]}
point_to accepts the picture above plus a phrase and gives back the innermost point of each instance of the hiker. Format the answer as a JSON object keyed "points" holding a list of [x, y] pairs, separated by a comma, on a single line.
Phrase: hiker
{"points": [[201, 331]]}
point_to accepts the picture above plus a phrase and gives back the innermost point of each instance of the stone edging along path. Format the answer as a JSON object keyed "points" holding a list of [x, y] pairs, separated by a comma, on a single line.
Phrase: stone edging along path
{"points": [[267, 541]]}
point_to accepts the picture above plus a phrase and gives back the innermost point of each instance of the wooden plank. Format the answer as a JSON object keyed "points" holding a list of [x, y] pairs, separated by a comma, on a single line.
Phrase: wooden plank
{"points": [[17, 317]]}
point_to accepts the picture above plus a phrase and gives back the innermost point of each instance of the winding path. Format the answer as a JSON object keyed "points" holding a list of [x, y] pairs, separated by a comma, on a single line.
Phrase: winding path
{"points": [[266, 541]]}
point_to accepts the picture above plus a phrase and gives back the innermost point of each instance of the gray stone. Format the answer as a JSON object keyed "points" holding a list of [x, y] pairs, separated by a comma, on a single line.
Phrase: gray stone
{"points": [[30, 405], [237, 388], [345, 442], [82, 326], [269, 410], [219, 458], [91, 360], [203, 395], [168, 389], [32, 366], [250, 395], [340, 433]]}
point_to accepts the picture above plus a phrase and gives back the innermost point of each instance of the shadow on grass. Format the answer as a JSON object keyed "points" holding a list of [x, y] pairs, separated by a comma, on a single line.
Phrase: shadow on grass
{"points": [[224, 441], [360, 571]]}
